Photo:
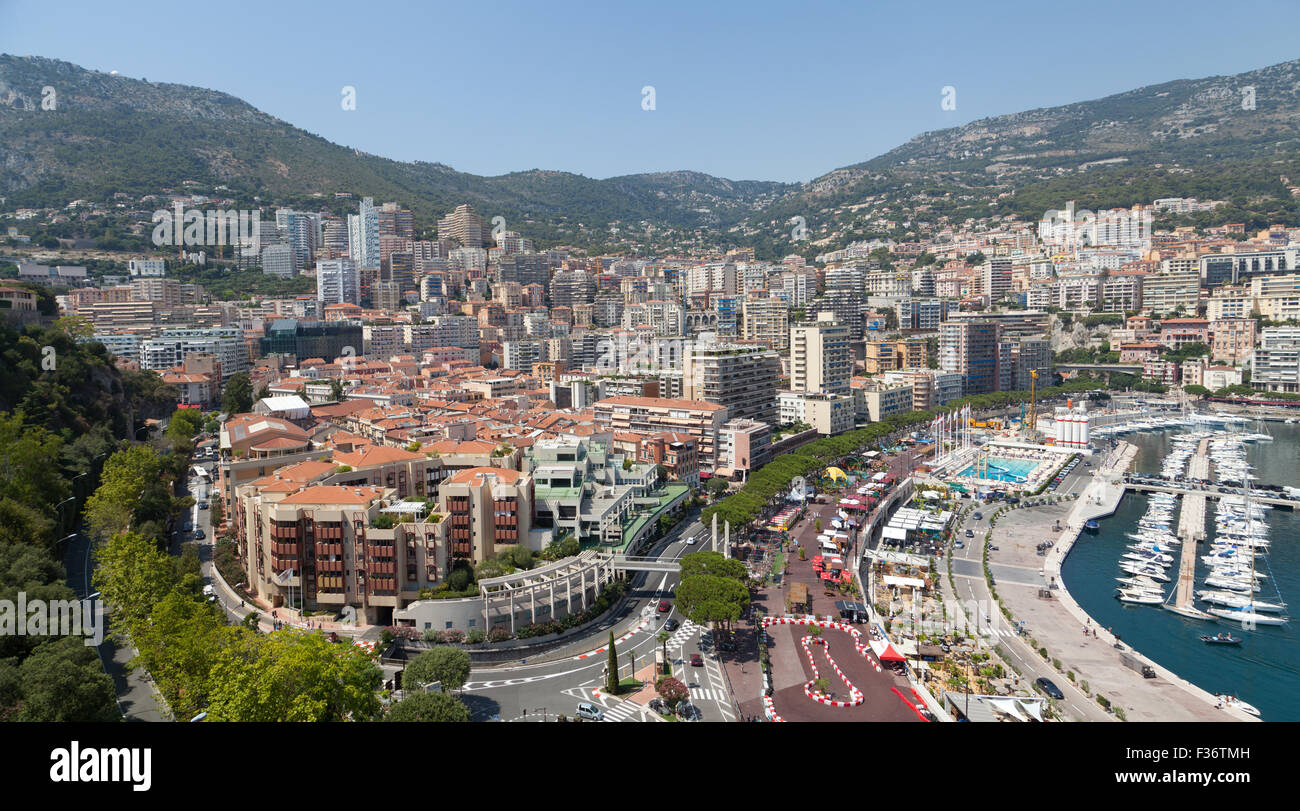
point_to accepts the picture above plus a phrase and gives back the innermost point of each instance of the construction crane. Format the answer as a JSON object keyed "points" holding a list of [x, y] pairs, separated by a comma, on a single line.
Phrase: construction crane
{"points": [[1033, 388]]}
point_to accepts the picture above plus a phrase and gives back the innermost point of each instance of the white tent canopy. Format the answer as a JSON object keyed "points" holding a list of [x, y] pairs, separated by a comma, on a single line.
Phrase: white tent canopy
{"points": [[1009, 707]]}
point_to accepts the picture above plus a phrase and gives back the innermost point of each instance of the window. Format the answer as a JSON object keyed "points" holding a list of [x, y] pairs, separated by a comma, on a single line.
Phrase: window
{"points": [[449, 625]]}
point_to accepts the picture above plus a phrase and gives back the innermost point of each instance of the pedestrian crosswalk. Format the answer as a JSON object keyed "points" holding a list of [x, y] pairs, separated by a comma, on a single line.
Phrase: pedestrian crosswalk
{"points": [[709, 694], [1006, 633], [682, 634], [624, 711]]}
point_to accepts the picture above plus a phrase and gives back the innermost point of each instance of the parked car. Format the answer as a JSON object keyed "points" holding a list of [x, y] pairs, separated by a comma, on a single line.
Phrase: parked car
{"points": [[1045, 684], [660, 706], [970, 533], [689, 712], [198, 534], [671, 625], [697, 660], [589, 712], [978, 516], [665, 606]]}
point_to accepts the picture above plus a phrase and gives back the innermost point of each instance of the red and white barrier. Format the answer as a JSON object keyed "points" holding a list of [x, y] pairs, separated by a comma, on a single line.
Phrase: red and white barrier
{"points": [[855, 695], [769, 710]]}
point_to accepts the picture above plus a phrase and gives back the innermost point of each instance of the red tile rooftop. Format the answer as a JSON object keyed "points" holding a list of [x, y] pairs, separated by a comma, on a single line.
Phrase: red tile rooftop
{"points": [[333, 494], [479, 475]]}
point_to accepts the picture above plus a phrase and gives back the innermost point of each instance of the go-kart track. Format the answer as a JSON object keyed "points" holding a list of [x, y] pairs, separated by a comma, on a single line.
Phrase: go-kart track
{"points": [[861, 690]]}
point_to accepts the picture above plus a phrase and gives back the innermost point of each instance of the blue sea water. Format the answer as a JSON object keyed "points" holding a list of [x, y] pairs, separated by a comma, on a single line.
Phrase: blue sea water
{"points": [[1265, 669]]}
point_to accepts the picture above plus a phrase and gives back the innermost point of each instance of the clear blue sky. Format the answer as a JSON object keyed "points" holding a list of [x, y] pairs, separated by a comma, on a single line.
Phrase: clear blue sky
{"points": [[747, 90]]}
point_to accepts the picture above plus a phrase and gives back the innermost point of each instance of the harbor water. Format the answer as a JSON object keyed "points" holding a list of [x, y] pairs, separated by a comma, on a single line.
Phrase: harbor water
{"points": [[1265, 669]]}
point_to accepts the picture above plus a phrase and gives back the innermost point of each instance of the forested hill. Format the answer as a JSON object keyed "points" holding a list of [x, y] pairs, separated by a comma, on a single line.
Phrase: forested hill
{"points": [[111, 133]]}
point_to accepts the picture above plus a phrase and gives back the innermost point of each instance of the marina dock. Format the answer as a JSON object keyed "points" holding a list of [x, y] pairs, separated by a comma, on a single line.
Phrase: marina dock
{"points": [[1191, 529], [1211, 492]]}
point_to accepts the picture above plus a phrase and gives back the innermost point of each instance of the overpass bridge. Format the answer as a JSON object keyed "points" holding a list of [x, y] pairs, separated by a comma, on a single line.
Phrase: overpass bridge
{"points": [[1212, 491], [630, 563]]}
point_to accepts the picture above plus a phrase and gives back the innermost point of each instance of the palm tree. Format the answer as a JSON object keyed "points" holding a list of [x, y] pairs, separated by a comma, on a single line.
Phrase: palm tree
{"points": [[663, 638]]}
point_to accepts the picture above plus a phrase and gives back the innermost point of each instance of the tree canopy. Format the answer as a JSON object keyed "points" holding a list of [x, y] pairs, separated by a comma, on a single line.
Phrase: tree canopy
{"points": [[445, 664], [438, 708]]}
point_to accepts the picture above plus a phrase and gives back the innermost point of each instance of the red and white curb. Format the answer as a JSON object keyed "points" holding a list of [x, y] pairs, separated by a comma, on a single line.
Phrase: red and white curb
{"points": [[769, 710], [858, 645], [625, 637], [855, 695]]}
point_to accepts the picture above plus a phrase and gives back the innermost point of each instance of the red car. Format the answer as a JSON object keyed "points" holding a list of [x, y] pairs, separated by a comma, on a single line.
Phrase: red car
{"points": [[665, 606], [697, 660]]}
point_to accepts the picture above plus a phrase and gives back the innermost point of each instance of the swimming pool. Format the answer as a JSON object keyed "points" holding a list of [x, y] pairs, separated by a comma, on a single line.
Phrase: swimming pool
{"points": [[1003, 470]]}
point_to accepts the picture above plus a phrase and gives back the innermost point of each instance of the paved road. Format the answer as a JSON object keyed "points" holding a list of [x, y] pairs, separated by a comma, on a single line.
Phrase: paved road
{"points": [[968, 574], [136, 697], [576, 672]]}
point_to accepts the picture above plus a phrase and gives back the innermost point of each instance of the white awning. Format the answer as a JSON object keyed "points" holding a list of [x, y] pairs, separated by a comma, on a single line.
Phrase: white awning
{"points": [[896, 533], [906, 582]]}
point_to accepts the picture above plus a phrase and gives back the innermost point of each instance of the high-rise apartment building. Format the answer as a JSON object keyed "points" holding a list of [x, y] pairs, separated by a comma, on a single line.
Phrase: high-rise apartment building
{"points": [[972, 349], [997, 278], [742, 378], [464, 227], [820, 359], [767, 319], [337, 282], [363, 236]]}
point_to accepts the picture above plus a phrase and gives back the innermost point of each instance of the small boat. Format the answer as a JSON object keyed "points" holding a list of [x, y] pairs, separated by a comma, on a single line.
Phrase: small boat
{"points": [[1140, 597], [1091, 526], [1221, 639], [1248, 619]]}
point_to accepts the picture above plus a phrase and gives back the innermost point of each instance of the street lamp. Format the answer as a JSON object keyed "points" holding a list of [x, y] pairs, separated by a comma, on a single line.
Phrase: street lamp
{"points": [[199, 717]]}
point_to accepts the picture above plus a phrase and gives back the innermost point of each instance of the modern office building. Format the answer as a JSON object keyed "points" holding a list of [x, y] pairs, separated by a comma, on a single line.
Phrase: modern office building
{"points": [[311, 339]]}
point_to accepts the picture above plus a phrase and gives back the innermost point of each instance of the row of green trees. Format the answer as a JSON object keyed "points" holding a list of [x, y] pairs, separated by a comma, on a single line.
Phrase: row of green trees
{"points": [[64, 407], [744, 506]]}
